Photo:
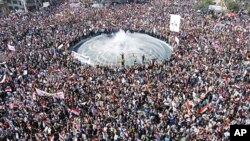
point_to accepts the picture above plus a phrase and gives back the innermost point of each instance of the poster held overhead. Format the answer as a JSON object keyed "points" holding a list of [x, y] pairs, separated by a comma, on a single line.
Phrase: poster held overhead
{"points": [[175, 21]]}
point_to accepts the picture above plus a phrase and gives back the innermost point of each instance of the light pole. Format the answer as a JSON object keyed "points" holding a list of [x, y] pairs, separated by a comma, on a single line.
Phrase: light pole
{"points": [[24, 5]]}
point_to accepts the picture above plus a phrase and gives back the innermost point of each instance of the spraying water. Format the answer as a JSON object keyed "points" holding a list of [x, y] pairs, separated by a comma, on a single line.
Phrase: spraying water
{"points": [[106, 50]]}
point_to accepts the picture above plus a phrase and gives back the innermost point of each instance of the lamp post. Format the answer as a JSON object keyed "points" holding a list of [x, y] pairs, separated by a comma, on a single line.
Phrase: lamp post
{"points": [[24, 5]]}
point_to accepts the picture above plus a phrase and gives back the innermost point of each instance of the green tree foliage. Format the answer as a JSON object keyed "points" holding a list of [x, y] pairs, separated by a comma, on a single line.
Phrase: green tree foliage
{"points": [[204, 3], [233, 6], [248, 9]]}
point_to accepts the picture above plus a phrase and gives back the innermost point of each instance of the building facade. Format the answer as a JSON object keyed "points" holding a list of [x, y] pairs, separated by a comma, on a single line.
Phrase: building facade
{"points": [[14, 5], [3, 6]]}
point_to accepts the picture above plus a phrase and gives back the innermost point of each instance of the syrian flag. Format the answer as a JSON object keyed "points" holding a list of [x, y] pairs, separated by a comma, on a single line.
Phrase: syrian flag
{"points": [[8, 89], [203, 109], [2, 78], [12, 48], [75, 111]]}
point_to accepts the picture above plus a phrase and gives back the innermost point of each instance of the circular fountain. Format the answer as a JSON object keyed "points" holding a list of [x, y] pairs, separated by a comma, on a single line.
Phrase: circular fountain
{"points": [[107, 49]]}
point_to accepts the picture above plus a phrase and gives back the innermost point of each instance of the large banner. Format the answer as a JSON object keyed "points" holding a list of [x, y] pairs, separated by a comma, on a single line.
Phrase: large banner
{"points": [[175, 21], [82, 58], [59, 95]]}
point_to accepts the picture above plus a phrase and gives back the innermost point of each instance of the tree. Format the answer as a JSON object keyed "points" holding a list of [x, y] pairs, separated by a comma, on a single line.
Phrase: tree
{"points": [[248, 10], [233, 6], [205, 3]]}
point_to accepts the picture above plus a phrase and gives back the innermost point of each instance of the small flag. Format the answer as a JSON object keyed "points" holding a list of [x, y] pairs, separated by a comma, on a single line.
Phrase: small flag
{"points": [[203, 109], [75, 111], [8, 89]]}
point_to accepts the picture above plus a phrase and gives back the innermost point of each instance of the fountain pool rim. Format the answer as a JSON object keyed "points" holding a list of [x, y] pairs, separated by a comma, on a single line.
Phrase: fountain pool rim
{"points": [[74, 45]]}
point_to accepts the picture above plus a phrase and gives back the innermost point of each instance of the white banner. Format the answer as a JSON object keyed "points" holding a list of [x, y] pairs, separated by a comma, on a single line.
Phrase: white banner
{"points": [[59, 95], [175, 21], [82, 58], [12, 48]]}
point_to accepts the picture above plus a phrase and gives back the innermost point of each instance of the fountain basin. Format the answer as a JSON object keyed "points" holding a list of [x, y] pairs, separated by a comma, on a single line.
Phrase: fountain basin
{"points": [[107, 49]]}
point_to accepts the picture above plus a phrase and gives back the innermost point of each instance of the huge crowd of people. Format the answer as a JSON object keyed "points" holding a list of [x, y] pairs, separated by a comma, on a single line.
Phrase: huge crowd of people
{"points": [[195, 95]]}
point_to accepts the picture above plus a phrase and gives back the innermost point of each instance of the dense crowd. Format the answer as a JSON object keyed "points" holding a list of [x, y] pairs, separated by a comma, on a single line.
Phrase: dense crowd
{"points": [[195, 95]]}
